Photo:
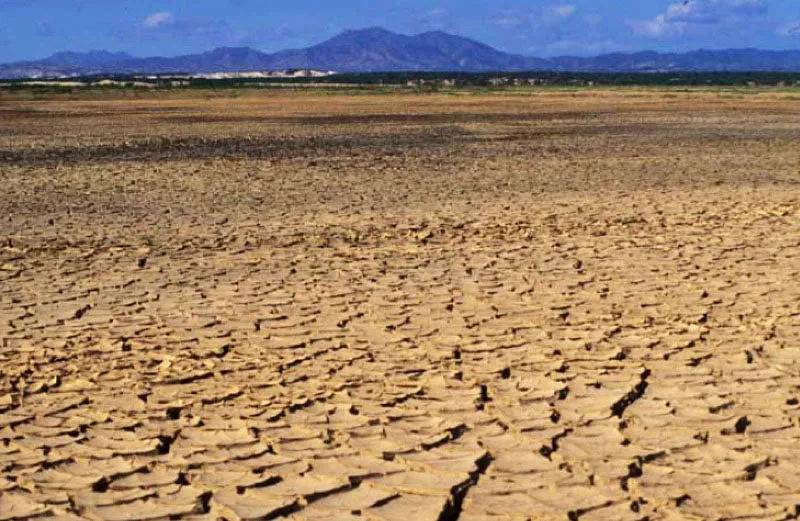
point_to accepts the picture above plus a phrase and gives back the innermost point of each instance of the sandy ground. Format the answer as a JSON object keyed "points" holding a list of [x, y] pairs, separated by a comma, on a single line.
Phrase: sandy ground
{"points": [[481, 308]]}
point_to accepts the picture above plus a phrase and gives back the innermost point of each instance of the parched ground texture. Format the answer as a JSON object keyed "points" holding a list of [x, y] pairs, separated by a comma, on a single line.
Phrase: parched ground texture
{"points": [[552, 305]]}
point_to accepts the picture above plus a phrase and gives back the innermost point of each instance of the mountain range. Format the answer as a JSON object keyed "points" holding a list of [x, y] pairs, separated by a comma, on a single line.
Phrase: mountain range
{"points": [[376, 49]]}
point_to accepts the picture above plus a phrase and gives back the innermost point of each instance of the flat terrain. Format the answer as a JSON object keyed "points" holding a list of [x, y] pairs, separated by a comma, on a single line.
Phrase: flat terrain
{"points": [[534, 306]]}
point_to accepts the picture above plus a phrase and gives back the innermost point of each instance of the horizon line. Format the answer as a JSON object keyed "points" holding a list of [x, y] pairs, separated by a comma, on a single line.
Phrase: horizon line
{"points": [[372, 28]]}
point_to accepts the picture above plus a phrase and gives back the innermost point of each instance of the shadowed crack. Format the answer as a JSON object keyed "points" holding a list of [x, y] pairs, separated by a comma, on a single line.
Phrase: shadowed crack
{"points": [[454, 508], [751, 471], [635, 470], [548, 450], [618, 409], [574, 515], [740, 427]]}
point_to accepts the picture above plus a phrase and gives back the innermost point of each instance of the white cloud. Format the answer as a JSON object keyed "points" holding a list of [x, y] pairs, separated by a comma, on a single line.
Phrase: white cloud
{"points": [[157, 19], [511, 20], [437, 19], [562, 10], [661, 25], [542, 17], [679, 17], [790, 29]]}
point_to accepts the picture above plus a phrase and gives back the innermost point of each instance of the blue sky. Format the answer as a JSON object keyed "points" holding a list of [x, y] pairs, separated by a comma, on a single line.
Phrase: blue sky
{"points": [[32, 29]]}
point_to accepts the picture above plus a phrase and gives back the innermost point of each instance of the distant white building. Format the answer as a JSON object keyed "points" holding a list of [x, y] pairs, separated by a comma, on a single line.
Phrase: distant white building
{"points": [[301, 73]]}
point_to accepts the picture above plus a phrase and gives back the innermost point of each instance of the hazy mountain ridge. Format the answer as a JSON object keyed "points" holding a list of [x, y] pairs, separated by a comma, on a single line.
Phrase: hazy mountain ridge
{"points": [[377, 49]]}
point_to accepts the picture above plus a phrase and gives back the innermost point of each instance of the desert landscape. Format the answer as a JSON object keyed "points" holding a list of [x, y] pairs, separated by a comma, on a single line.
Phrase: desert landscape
{"points": [[542, 304]]}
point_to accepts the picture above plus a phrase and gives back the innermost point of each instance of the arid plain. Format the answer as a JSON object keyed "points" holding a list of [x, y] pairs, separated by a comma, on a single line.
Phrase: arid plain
{"points": [[542, 305]]}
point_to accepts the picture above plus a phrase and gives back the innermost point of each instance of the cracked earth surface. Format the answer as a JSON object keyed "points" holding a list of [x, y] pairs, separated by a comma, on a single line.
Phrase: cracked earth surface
{"points": [[400, 308]]}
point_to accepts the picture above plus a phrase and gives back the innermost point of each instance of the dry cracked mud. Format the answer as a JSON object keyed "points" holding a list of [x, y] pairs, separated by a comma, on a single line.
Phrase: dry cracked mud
{"points": [[479, 308]]}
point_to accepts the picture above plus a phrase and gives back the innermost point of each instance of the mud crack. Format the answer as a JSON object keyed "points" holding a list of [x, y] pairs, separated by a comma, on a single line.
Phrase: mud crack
{"points": [[618, 409], [456, 506]]}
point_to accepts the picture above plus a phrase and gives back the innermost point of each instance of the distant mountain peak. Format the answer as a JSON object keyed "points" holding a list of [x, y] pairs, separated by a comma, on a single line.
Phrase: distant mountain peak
{"points": [[363, 36], [379, 49], [98, 53], [233, 49], [88, 58], [371, 30], [438, 32]]}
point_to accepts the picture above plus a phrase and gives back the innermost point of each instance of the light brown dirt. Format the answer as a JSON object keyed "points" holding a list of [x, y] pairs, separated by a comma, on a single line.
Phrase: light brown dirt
{"points": [[551, 306]]}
